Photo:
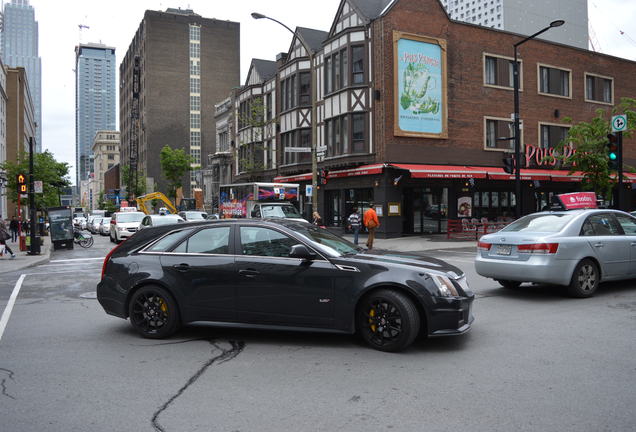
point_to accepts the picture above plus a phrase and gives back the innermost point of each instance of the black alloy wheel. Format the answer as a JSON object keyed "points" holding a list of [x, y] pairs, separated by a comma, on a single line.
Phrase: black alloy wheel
{"points": [[585, 279], [153, 312], [388, 320], [508, 284]]}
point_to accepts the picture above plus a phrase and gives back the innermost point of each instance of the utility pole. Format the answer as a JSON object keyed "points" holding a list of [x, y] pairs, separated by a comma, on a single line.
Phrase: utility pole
{"points": [[34, 249]]}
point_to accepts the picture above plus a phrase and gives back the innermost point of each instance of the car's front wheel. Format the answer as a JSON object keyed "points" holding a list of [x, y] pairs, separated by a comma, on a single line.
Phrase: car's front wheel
{"points": [[508, 284], [388, 320], [585, 279], [153, 312]]}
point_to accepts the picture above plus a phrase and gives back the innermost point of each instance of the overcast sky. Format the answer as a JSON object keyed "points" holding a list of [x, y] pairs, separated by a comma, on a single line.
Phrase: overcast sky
{"points": [[114, 22]]}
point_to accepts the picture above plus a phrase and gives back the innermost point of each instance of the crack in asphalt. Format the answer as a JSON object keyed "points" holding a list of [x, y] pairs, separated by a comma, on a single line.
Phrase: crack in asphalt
{"points": [[4, 380], [225, 356], [172, 343]]}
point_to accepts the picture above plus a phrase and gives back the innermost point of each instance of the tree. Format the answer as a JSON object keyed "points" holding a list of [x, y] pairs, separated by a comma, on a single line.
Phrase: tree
{"points": [[51, 173], [125, 174], [590, 141], [175, 163], [250, 155]]}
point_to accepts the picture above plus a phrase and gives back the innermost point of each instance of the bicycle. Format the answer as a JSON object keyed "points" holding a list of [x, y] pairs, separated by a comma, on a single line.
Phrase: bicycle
{"points": [[85, 240]]}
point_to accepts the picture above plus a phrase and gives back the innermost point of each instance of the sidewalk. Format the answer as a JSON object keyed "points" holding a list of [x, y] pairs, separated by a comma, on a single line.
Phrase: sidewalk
{"points": [[415, 243], [22, 259]]}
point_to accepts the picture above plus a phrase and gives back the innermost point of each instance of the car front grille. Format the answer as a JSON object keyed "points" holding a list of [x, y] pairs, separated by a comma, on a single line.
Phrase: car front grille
{"points": [[131, 229]]}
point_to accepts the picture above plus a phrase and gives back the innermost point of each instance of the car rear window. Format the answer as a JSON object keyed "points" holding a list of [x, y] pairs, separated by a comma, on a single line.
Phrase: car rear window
{"points": [[129, 217], [167, 241], [547, 223]]}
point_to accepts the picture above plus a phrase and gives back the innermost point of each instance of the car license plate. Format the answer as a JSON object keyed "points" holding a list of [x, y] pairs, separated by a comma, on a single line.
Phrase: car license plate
{"points": [[504, 249]]}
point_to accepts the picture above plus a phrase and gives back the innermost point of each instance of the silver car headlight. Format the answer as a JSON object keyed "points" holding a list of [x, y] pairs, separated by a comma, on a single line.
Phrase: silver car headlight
{"points": [[444, 285]]}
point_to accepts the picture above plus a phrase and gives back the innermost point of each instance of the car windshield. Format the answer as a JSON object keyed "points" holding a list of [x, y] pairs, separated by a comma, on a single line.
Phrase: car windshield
{"points": [[542, 222], [129, 217], [280, 211], [166, 220], [326, 241], [105, 221]]}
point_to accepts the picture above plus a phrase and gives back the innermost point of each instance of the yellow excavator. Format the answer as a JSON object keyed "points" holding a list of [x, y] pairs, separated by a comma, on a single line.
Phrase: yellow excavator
{"points": [[142, 200]]}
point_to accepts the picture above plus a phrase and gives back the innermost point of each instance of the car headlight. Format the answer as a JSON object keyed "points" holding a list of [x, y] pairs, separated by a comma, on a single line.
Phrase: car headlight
{"points": [[444, 285], [121, 229]]}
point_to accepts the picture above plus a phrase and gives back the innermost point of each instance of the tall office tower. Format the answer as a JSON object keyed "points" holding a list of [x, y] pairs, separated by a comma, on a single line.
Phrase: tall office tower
{"points": [[526, 17], [177, 67], [94, 101], [20, 49]]}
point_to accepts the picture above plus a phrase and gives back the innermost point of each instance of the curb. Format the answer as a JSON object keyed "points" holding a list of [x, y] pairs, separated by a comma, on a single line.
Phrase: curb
{"points": [[41, 259]]}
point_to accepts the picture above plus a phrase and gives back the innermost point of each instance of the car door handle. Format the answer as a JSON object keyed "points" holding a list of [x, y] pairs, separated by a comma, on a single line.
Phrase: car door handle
{"points": [[181, 267], [250, 273], [633, 243], [598, 245]]}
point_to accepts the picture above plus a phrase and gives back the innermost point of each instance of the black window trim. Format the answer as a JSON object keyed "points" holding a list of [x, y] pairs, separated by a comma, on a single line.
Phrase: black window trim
{"points": [[608, 214], [195, 231], [237, 242]]}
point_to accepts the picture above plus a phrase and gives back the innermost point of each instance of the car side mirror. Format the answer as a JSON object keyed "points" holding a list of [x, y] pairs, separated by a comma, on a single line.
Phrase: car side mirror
{"points": [[301, 251]]}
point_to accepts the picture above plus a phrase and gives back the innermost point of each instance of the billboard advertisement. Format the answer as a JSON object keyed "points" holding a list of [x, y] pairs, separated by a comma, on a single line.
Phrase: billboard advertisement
{"points": [[420, 86]]}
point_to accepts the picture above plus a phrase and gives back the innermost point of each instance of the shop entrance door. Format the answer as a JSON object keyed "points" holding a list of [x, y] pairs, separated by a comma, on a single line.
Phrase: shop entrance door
{"points": [[426, 210], [333, 213]]}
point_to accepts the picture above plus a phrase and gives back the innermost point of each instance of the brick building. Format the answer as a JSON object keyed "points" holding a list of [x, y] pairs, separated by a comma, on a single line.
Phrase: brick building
{"points": [[411, 105], [186, 63]]}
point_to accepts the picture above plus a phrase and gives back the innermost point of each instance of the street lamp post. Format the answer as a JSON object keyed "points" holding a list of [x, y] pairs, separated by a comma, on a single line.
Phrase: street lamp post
{"points": [[517, 135], [314, 123]]}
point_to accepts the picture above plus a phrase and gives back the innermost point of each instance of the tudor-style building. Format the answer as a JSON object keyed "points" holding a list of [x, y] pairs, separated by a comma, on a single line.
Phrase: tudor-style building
{"points": [[411, 109]]}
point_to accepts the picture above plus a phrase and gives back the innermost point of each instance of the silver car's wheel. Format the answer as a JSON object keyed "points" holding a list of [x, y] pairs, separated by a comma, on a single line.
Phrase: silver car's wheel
{"points": [[585, 279]]}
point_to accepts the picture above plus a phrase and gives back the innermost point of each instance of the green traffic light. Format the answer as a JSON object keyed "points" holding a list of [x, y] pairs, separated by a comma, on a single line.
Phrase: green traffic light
{"points": [[612, 156]]}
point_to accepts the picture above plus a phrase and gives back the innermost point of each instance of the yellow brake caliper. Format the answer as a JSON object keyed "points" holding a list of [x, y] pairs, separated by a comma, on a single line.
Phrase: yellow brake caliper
{"points": [[372, 314], [164, 306]]}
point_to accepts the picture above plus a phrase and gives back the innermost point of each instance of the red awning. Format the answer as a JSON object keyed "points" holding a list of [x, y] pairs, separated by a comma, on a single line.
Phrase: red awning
{"points": [[526, 174], [361, 170], [442, 171], [293, 179], [565, 176]]}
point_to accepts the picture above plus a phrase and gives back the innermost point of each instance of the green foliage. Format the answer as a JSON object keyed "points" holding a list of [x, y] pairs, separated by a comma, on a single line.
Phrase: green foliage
{"points": [[590, 139], [254, 118], [125, 174], [175, 163], [52, 173]]}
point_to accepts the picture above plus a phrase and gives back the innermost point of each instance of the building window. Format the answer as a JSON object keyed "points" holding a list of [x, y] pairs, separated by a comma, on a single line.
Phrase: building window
{"points": [[598, 89], [195, 103], [499, 128], [357, 64], [195, 32], [358, 132], [195, 121], [195, 139], [346, 134], [250, 157], [299, 138], [499, 71], [552, 135], [195, 50], [222, 142], [553, 81], [268, 107], [337, 71], [195, 85], [195, 67], [304, 92]]}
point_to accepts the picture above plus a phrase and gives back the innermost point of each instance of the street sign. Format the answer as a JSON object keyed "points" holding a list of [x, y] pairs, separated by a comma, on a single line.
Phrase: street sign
{"points": [[38, 187], [298, 149], [308, 190], [619, 123]]}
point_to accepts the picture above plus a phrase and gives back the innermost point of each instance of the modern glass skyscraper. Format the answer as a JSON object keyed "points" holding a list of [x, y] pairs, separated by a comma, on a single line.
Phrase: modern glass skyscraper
{"points": [[94, 100], [20, 49]]}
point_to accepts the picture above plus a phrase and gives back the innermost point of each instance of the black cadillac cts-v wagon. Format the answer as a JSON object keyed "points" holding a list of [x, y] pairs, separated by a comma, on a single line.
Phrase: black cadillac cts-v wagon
{"points": [[280, 274]]}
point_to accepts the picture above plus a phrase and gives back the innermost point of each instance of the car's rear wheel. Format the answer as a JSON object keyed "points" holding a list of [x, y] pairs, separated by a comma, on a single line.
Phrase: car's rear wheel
{"points": [[508, 284], [585, 279], [153, 312], [388, 320]]}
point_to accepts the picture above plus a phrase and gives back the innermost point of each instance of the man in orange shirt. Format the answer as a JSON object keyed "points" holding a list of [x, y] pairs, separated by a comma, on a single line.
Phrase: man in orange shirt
{"points": [[371, 221]]}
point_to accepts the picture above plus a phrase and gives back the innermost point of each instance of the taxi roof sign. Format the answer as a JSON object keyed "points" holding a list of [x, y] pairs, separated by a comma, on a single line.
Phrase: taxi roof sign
{"points": [[576, 200]]}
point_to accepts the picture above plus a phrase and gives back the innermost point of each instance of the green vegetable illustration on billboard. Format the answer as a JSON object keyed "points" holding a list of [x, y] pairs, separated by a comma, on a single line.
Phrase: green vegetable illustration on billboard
{"points": [[419, 86]]}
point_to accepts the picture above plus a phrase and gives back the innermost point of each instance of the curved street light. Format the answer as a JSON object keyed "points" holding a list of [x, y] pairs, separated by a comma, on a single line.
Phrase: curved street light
{"points": [[314, 133]]}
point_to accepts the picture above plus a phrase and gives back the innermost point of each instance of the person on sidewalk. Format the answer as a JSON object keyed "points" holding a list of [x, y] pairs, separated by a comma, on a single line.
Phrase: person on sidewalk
{"points": [[4, 236], [14, 227], [317, 219], [354, 224], [372, 222]]}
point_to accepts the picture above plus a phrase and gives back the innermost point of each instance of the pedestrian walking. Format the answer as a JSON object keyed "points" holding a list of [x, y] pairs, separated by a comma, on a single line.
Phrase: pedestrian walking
{"points": [[4, 236], [354, 221], [372, 222], [14, 226], [317, 219]]}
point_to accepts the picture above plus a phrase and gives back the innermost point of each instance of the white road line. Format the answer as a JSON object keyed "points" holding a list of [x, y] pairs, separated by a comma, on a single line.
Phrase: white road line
{"points": [[78, 259], [59, 272], [7, 310], [83, 265]]}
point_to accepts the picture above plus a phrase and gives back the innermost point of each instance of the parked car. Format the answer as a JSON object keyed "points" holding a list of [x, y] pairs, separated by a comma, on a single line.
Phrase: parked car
{"points": [[193, 215], [576, 248], [279, 273], [157, 220], [80, 222], [124, 224], [94, 225], [104, 226]]}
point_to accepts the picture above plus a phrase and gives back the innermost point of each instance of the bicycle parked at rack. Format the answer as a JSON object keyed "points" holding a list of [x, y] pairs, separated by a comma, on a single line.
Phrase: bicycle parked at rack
{"points": [[84, 239]]}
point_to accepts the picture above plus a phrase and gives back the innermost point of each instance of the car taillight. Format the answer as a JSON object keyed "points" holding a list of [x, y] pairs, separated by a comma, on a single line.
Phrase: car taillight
{"points": [[538, 248], [108, 258], [484, 246]]}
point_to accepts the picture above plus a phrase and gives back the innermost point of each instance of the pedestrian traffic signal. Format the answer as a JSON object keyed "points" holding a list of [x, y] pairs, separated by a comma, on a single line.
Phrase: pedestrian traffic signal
{"points": [[322, 176], [21, 183], [612, 151], [509, 164]]}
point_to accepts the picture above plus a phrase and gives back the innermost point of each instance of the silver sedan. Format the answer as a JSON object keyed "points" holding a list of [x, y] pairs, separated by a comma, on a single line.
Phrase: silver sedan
{"points": [[576, 248]]}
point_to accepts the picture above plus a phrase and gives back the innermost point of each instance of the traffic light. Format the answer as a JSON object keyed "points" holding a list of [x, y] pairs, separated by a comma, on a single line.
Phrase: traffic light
{"points": [[612, 151], [509, 164], [21, 183], [322, 176]]}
